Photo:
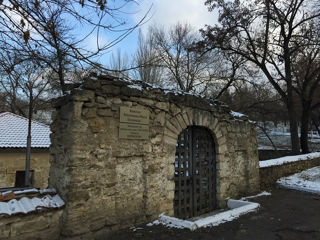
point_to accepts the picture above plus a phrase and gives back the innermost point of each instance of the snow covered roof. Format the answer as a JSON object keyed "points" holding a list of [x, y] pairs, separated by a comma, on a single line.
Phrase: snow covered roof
{"points": [[26, 205], [14, 129]]}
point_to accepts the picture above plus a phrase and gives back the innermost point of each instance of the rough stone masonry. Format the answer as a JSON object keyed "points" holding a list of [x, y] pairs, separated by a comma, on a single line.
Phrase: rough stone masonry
{"points": [[109, 182]]}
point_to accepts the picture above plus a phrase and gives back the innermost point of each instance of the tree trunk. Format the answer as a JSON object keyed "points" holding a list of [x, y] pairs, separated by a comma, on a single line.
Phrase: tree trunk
{"points": [[305, 127], [304, 133], [290, 97], [293, 130], [28, 149]]}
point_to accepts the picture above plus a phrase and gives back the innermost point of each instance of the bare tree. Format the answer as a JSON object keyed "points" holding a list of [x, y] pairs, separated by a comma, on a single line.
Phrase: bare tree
{"points": [[267, 34], [186, 69], [147, 61], [33, 84], [43, 37], [257, 100], [26, 83], [229, 71], [119, 63], [49, 31], [10, 87], [173, 56], [306, 73]]}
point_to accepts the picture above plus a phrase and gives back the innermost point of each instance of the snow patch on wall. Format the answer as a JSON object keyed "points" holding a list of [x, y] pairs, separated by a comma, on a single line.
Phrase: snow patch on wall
{"points": [[288, 159], [237, 114]]}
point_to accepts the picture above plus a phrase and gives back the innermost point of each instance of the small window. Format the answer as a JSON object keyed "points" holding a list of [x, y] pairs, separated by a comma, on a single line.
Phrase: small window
{"points": [[20, 178]]}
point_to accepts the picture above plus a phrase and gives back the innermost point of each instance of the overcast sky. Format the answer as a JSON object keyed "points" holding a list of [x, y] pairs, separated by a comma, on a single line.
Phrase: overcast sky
{"points": [[165, 13], [169, 12]]}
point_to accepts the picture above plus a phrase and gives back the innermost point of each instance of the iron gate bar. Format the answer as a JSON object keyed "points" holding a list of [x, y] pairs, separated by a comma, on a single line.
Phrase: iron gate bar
{"points": [[186, 176], [191, 206]]}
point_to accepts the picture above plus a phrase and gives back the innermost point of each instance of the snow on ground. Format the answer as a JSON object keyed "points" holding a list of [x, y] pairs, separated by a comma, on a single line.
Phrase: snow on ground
{"points": [[308, 181], [236, 209], [264, 193], [280, 161], [265, 147]]}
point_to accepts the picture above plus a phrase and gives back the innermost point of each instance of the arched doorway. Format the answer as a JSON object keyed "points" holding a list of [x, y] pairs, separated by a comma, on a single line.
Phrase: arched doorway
{"points": [[195, 173]]}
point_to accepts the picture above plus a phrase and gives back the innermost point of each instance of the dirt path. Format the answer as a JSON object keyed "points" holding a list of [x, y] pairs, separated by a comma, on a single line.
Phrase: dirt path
{"points": [[288, 215]]}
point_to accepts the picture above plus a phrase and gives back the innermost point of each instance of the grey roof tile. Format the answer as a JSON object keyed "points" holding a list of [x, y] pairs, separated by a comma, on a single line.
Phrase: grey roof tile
{"points": [[14, 130]]}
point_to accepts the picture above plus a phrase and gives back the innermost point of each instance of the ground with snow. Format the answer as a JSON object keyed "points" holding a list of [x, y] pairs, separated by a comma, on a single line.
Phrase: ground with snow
{"points": [[308, 180], [236, 208], [283, 215]]}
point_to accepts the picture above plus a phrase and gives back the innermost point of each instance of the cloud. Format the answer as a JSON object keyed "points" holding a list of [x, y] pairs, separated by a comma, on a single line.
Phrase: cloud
{"points": [[91, 42], [168, 12]]}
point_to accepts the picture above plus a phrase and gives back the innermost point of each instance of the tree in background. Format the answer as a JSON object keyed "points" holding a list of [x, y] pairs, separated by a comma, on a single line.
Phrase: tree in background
{"points": [[12, 96], [316, 120], [30, 88], [267, 34], [230, 72], [168, 58], [48, 31], [34, 84], [184, 68], [256, 100], [306, 75], [260, 102], [41, 42], [148, 63], [120, 65]]}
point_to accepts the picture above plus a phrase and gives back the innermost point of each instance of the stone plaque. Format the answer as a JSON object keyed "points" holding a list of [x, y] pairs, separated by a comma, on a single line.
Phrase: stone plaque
{"points": [[133, 131], [134, 115], [134, 123]]}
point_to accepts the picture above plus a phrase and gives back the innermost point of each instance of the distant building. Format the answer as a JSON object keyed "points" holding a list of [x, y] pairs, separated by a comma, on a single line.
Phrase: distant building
{"points": [[13, 141]]}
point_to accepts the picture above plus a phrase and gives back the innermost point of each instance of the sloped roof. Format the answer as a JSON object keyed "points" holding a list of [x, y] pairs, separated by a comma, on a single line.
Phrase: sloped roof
{"points": [[14, 130], [27, 204]]}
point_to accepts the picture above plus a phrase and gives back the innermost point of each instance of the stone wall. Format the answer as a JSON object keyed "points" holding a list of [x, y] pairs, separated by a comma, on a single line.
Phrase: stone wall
{"points": [[269, 175], [12, 160], [265, 154], [109, 183], [39, 225]]}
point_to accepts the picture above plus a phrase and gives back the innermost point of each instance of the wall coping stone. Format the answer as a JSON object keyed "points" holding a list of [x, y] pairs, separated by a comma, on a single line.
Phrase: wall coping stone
{"points": [[140, 89], [288, 159]]}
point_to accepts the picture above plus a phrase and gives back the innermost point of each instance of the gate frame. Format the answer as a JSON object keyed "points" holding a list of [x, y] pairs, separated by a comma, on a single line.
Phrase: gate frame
{"points": [[198, 118], [193, 186]]}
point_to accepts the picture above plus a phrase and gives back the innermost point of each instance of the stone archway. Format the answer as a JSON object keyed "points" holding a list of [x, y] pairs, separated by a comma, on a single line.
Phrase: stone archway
{"points": [[195, 173]]}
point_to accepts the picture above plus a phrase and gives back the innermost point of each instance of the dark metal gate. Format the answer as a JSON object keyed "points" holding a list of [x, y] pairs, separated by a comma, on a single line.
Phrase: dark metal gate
{"points": [[195, 180]]}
